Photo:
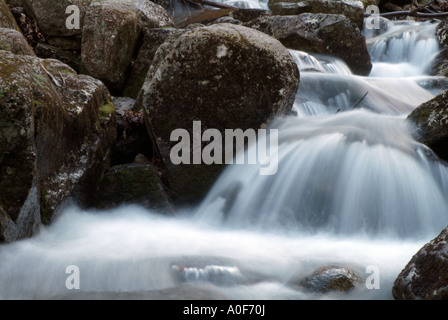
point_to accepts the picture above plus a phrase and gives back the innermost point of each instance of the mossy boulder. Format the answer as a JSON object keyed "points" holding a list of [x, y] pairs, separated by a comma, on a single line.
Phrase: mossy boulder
{"points": [[54, 141], [430, 124], [226, 76], [320, 33], [133, 183], [353, 10], [6, 18], [110, 37], [425, 277], [13, 41]]}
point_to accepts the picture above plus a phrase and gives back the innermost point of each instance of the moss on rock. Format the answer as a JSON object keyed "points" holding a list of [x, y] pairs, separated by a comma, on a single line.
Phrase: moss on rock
{"points": [[54, 145]]}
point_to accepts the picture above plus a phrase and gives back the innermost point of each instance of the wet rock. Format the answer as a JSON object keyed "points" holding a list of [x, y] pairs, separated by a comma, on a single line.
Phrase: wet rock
{"points": [[332, 278], [430, 124], [439, 66], [55, 142], [133, 183], [425, 277], [224, 75], [13, 41], [353, 10], [320, 33]]}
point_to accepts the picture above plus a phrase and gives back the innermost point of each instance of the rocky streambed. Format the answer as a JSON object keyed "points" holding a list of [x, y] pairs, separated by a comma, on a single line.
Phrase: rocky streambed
{"points": [[86, 113]]}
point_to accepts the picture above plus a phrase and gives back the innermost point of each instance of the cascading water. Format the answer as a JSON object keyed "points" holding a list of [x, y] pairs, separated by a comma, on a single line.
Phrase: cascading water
{"points": [[353, 188]]}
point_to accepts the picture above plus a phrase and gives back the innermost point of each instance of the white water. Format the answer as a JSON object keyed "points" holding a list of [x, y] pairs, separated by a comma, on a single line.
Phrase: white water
{"points": [[353, 188]]}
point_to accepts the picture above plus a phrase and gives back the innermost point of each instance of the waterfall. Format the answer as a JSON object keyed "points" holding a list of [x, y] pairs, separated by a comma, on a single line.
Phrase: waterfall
{"points": [[342, 170], [352, 188], [349, 173]]}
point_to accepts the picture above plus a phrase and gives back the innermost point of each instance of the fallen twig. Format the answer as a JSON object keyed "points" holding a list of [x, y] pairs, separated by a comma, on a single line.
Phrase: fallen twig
{"points": [[360, 100]]}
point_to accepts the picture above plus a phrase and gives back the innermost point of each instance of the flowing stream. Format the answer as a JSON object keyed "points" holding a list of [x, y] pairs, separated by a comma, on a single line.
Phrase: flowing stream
{"points": [[353, 188]]}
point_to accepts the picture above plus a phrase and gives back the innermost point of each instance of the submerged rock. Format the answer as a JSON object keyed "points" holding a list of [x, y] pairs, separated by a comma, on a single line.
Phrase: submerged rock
{"points": [[332, 278], [226, 76], [425, 277], [430, 124], [320, 33], [57, 133]]}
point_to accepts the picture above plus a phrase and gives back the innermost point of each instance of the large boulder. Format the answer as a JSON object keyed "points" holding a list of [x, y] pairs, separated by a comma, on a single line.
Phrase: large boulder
{"points": [[353, 10], [320, 33], [430, 124], [425, 277], [110, 37], [226, 76], [57, 130]]}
